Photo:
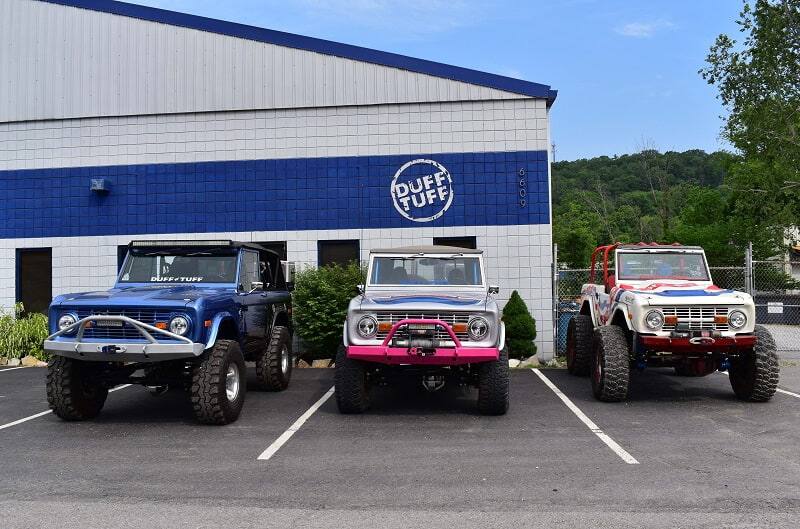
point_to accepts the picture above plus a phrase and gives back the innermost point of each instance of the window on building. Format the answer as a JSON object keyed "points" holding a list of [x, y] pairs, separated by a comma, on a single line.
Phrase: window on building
{"points": [[458, 242], [35, 279], [338, 252]]}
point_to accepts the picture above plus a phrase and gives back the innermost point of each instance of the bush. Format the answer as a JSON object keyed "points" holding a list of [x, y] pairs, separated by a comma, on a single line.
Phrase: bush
{"points": [[20, 335], [520, 328], [319, 306]]}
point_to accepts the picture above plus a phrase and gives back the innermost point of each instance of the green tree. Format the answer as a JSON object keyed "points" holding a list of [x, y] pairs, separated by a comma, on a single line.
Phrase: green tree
{"points": [[520, 328], [759, 84]]}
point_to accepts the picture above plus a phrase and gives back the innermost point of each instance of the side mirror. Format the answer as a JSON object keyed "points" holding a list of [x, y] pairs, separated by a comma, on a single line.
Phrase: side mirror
{"points": [[360, 289], [288, 271], [494, 289], [289, 287]]}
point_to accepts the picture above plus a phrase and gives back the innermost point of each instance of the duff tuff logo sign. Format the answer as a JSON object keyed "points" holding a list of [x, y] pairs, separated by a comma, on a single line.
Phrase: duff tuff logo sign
{"points": [[422, 190]]}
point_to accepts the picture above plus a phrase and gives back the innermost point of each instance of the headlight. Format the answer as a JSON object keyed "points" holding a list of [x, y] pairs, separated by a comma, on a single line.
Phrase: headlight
{"points": [[66, 320], [737, 319], [367, 327], [179, 325], [654, 319], [478, 328]]}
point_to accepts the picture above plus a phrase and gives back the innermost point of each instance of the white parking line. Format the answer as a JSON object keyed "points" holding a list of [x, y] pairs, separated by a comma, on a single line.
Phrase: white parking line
{"points": [[612, 444], [43, 413], [13, 368], [285, 436], [788, 393]]}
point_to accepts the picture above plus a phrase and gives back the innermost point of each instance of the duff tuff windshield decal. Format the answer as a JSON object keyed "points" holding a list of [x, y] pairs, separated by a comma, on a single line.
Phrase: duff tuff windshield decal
{"points": [[176, 279]]}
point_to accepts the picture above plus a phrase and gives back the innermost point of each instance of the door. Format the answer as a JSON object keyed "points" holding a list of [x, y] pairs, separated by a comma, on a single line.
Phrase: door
{"points": [[35, 279], [255, 313]]}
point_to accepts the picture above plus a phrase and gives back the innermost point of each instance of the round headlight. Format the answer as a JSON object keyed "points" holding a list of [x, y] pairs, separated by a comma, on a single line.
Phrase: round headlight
{"points": [[478, 328], [179, 325], [367, 327], [65, 321], [654, 319], [737, 319]]}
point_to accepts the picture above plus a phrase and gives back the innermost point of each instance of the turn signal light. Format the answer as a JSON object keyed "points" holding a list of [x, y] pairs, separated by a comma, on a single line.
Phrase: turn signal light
{"points": [[459, 327], [161, 325], [384, 326], [671, 320], [207, 323], [720, 319]]}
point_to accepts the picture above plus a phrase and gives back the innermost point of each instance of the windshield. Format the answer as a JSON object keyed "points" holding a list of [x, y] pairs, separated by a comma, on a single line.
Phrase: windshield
{"points": [[426, 271], [662, 265], [165, 267]]}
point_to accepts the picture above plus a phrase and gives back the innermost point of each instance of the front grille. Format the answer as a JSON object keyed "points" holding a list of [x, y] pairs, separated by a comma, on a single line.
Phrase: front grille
{"points": [[698, 318], [449, 318], [126, 331]]}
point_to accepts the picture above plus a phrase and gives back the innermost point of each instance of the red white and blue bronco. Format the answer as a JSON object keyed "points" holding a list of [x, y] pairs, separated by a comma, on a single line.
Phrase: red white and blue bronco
{"points": [[657, 306]]}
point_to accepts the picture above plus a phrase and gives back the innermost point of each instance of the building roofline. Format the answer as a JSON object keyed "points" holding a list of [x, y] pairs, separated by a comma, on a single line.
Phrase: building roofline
{"points": [[326, 47]]}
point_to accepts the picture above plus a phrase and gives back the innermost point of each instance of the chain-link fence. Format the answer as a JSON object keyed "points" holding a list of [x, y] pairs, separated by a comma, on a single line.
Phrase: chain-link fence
{"points": [[774, 285]]}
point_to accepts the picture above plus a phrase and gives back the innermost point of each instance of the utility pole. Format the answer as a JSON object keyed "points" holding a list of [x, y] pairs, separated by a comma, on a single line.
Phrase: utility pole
{"points": [[553, 146]]}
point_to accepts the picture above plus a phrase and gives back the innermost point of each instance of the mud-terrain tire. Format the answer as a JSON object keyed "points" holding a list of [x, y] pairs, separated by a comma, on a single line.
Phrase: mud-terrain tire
{"points": [[493, 382], [754, 375], [611, 371], [580, 332], [69, 394], [212, 377], [352, 386], [274, 365]]}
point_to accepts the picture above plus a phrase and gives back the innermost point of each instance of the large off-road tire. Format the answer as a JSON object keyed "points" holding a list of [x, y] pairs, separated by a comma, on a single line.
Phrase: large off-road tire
{"points": [[352, 386], [493, 382], [274, 365], [71, 392], [754, 375], [611, 373], [219, 384], [580, 333]]}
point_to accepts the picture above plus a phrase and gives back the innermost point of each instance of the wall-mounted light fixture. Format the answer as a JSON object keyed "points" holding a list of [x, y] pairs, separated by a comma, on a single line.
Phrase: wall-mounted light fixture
{"points": [[100, 186]]}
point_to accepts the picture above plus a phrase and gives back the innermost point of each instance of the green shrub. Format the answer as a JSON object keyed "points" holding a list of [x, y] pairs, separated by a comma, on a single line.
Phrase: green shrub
{"points": [[319, 306], [520, 328], [22, 335]]}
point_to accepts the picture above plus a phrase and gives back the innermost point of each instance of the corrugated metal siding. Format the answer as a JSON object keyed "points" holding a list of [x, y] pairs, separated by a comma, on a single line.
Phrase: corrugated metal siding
{"points": [[60, 62]]}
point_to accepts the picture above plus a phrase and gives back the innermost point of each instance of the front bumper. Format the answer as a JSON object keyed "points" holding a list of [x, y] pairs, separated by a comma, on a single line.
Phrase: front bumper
{"points": [[149, 350], [697, 344], [385, 353]]}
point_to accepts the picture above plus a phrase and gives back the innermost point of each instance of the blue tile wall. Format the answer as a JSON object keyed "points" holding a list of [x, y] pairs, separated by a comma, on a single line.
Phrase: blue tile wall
{"points": [[264, 195]]}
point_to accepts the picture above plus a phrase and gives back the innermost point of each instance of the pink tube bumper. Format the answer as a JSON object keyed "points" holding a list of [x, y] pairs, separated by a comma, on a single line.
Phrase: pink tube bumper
{"points": [[458, 355]]}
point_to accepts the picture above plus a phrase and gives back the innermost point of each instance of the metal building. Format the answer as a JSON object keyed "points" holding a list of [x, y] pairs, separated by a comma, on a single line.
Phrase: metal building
{"points": [[119, 121]]}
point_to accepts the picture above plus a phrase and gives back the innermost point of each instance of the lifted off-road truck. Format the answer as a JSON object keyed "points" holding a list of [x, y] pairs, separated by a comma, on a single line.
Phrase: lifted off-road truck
{"points": [[657, 306], [426, 311], [184, 314]]}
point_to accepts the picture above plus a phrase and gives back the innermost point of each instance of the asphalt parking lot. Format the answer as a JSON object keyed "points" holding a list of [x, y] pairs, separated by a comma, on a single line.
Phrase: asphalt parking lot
{"points": [[703, 458]]}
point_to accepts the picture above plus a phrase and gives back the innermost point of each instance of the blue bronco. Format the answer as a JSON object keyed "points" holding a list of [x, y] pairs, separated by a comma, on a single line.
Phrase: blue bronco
{"points": [[184, 314]]}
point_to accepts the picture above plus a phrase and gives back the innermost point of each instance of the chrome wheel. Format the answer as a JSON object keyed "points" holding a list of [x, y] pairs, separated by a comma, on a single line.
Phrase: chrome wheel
{"points": [[284, 360], [232, 382]]}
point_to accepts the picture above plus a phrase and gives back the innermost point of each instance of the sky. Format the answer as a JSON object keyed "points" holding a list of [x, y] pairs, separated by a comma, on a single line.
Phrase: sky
{"points": [[625, 70]]}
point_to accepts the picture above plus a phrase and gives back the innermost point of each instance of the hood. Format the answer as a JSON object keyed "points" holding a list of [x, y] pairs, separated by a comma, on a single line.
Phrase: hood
{"points": [[665, 293], [445, 301], [178, 295]]}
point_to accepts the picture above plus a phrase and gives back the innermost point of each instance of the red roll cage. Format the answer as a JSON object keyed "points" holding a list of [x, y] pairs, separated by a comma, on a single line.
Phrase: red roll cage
{"points": [[608, 248]]}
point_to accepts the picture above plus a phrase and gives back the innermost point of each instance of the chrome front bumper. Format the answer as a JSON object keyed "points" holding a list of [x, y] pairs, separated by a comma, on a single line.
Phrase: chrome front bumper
{"points": [[150, 351]]}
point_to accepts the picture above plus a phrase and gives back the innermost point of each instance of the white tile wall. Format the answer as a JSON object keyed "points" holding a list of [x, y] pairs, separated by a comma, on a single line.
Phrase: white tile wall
{"points": [[482, 126], [517, 258]]}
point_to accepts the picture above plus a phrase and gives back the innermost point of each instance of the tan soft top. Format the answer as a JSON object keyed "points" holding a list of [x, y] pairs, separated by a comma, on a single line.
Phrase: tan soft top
{"points": [[449, 250]]}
